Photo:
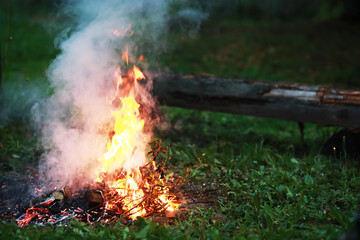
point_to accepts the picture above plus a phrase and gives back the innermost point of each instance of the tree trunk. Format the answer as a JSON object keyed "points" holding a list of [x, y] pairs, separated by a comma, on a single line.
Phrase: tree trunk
{"points": [[288, 101]]}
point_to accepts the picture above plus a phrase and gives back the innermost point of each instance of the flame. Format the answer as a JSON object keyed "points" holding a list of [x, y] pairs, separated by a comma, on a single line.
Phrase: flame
{"points": [[123, 144], [138, 75], [141, 58], [130, 193], [125, 56], [123, 148]]}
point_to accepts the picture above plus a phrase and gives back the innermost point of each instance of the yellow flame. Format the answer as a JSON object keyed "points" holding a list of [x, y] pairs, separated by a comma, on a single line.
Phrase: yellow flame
{"points": [[123, 147], [131, 194], [123, 143], [138, 75]]}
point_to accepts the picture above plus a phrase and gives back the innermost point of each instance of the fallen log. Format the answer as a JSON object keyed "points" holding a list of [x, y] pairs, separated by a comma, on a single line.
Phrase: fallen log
{"points": [[288, 101]]}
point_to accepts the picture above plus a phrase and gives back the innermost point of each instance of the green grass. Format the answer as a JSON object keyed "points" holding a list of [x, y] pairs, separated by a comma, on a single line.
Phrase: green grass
{"points": [[273, 184], [266, 192], [27, 41]]}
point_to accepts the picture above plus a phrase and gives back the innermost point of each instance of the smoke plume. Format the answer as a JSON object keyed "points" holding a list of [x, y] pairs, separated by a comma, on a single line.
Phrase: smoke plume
{"points": [[83, 83]]}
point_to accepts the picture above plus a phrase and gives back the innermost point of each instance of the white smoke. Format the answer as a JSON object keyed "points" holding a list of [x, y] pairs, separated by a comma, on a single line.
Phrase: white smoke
{"points": [[82, 78]]}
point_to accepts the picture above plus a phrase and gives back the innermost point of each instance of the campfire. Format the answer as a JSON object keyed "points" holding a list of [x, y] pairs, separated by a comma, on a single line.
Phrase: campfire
{"points": [[131, 180], [116, 195], [103, 166], [140, 190]]}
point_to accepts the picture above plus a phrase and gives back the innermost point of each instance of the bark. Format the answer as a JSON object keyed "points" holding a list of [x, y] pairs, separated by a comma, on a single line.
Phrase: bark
{"points": [[288, 101]]}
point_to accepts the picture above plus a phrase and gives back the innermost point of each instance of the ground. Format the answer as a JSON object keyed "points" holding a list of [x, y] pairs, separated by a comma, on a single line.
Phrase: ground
{"points": [[275, 185]]}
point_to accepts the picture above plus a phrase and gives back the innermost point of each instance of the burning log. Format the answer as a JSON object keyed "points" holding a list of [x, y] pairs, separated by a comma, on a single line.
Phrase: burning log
{"points": [[288, 101]]}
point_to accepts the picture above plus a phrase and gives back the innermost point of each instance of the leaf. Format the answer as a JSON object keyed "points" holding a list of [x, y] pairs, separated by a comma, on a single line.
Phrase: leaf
{"points": [[126, 232], [213, 234], [293, 160], [289, 193], [269, 211], [217, 161], [235, 183], [309, 180], [143, 232]]}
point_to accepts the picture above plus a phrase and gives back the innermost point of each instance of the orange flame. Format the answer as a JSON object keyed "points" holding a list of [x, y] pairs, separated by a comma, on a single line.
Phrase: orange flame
{"points": [[123, 145], [141, 58], [138, 75], [123, 148], [125, 56]]}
